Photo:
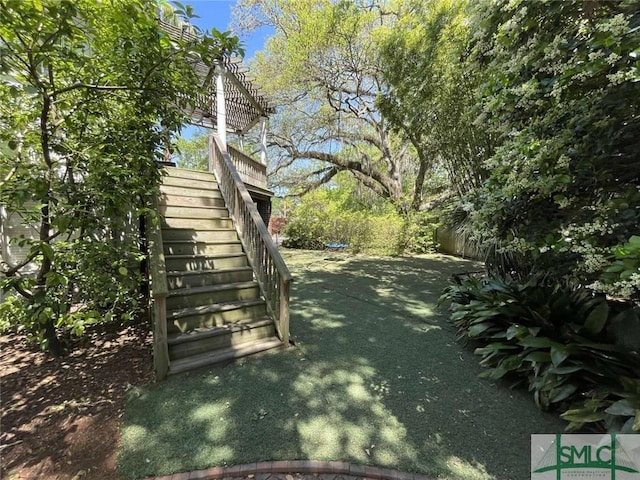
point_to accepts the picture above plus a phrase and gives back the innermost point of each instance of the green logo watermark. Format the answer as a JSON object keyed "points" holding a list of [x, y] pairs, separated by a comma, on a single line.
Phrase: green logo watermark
{"points": [[603, 457]]}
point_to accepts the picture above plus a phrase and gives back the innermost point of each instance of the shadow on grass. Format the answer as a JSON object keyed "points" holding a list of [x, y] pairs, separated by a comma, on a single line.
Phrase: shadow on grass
{"points": [[376, 379]]}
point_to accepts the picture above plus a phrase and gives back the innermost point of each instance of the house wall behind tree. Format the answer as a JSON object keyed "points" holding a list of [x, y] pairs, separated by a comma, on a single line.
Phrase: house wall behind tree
{"points": [[12, 226]]}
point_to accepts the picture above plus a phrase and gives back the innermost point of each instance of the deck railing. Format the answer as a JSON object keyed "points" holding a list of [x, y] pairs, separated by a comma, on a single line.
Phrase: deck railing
{"points": [[159, 292], [251, 171], [271, 272]]}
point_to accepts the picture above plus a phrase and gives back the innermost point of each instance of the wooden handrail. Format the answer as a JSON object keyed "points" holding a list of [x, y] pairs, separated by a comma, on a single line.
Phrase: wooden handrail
{"points": [[251, 171], [271, 272], [159, 292]]}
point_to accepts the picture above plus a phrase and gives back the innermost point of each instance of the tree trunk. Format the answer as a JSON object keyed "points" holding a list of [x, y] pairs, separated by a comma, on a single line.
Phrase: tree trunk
{"points": [[419, 183], [54, 345]]}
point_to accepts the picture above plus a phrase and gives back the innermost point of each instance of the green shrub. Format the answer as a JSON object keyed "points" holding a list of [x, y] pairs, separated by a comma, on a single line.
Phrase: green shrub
{"points": [[575, 351], [90, 282], [333, 216], [622, 276], [418, 233], [303, 234], [386, 233], [12, 314]]}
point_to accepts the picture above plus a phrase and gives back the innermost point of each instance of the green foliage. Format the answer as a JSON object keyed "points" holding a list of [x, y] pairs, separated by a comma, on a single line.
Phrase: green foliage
{"points": [[618, 412], [418, 232], [622, 276], [431, 93], [574, 350], [87, 105], [193, 152], [364, 223], [561, 98], [12, 313], [334, 216]]}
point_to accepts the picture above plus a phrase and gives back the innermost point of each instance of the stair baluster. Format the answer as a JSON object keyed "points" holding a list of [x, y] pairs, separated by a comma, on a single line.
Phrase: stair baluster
{"points": [[260, 248]]}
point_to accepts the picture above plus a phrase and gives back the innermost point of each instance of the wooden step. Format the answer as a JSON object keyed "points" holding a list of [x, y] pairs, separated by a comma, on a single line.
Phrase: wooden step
{"points": [[202, 278], [192, 247], [190, 173], [196, 223], [215, 312], [209, 316], [228, 354], [206, 235], [197, 296], [184, 345], [193, 211], [181, 263], [190, 183], [191, 201], [184, 190]]}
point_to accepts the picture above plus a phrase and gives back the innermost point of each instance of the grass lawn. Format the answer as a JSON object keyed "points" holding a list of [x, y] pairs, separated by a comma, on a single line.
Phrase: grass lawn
{"points": [[376, 379]]}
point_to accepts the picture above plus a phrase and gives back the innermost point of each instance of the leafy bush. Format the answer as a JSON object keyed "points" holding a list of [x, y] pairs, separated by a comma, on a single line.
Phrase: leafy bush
{"points": [[622, 276], [418, 233], [12, 313], [90, 282], [300, 234], [575, 351], [328, 216], [560, 102], [348, 228], [386, 235]]}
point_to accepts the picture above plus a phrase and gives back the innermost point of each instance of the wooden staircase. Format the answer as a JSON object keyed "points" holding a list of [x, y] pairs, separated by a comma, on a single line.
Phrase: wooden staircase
{"points": [[214, 308]]}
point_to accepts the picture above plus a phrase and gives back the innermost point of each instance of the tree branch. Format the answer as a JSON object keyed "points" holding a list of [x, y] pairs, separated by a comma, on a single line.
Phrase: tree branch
{"points": [[13, 270], [89, 86], [384, 181], [329, 173], [8, 176]]}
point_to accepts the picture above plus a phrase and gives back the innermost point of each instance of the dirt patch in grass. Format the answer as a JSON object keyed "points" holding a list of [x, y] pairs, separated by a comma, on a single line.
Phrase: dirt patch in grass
{"points": [[61, 417]]}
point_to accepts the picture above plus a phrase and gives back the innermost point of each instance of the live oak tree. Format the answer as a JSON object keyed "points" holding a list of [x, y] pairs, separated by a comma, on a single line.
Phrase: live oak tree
{"points": [[322, 67], [91, 94]]}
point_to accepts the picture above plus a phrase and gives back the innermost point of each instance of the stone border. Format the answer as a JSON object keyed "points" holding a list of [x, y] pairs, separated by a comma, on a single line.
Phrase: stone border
{"points": [[296, 466]]}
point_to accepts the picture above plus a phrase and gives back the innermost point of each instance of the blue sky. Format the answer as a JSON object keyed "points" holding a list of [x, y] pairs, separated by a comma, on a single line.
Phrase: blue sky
{"points": [[217, 14]]}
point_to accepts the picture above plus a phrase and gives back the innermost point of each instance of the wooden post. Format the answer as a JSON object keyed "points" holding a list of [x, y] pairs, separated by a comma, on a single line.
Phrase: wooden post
{"points": [[159, 291], [284, 311], [221, 112], [212, 152], [263, 140], [160, 345], [241, 141]]}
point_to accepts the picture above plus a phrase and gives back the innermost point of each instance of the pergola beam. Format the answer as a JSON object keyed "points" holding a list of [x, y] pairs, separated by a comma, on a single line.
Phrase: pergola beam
{"points": [[246, 93], [244, 106], [221, 112]]}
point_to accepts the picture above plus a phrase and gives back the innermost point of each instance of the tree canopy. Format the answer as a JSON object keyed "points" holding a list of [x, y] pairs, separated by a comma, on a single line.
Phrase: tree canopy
{"points": [[322, 68]]}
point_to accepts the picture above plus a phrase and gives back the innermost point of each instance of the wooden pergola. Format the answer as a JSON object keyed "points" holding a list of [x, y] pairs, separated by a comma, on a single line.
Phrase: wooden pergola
{"points": [[232, 103]]}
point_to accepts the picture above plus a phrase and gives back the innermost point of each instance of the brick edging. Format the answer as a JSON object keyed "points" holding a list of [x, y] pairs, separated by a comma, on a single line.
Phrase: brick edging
{"points": [[295, 466]]}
